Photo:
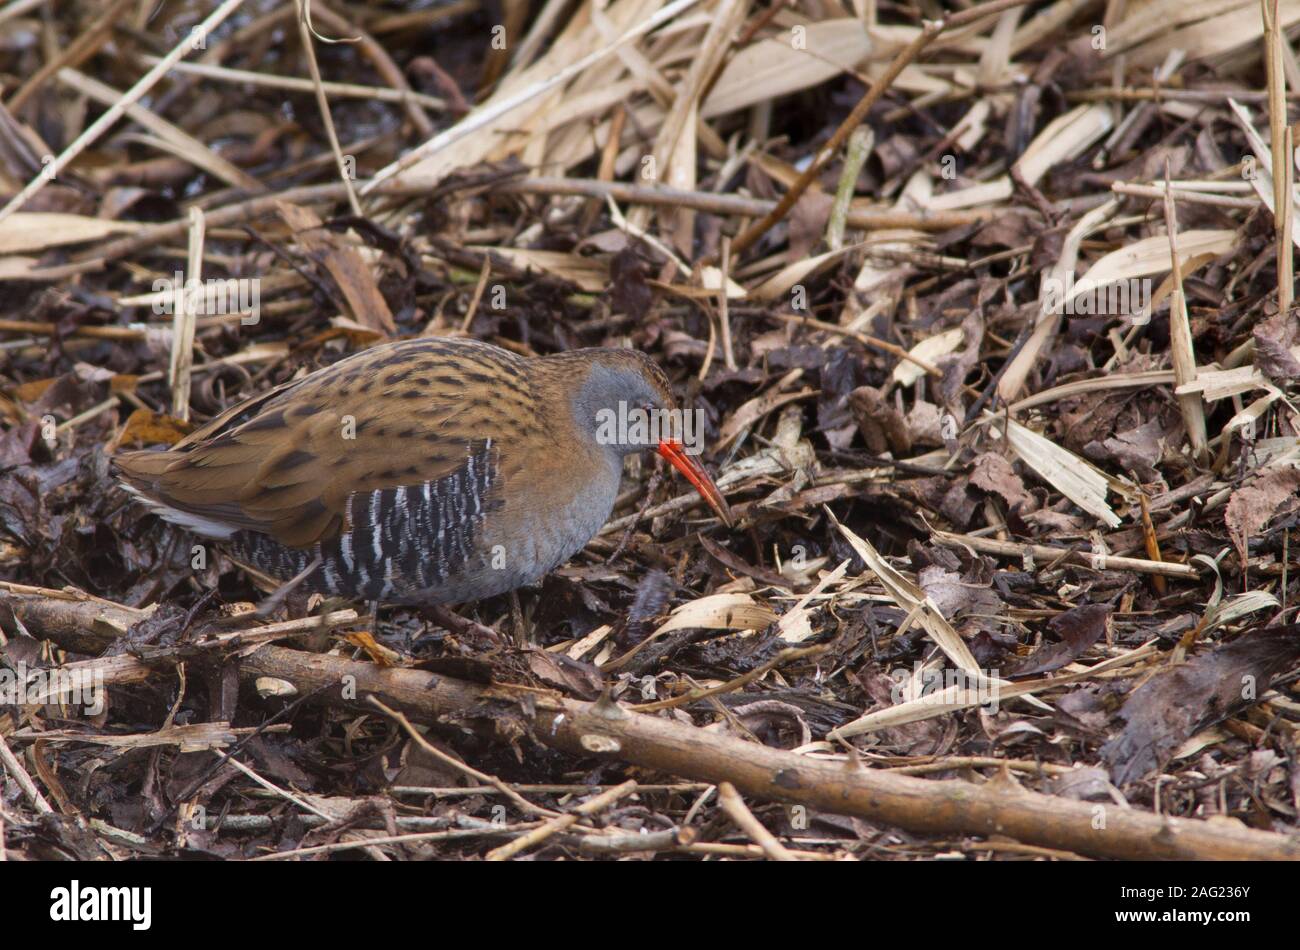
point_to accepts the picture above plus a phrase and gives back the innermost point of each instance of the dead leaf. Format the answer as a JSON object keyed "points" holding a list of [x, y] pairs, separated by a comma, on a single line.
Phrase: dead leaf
{"points": [[144, 427], [1078, 628], [345, 264], [1182, 699], [807, 222], [568, 675], [993, 473], [882, 426], [1273, 355], [36, 231], [1251, 507]]}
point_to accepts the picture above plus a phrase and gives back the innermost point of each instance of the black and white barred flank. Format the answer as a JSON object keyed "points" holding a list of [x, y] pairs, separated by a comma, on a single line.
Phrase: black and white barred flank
{"points": [[398, 545]]}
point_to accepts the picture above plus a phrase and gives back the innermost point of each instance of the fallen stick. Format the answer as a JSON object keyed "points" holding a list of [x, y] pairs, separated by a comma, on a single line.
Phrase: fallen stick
{"points": [[885, 218], [729, 801], [1046, 554], [606, 730]]}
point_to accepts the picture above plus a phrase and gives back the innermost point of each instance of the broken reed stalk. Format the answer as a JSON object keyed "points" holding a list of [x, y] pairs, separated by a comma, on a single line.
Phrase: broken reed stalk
{"points": [[1160, 94], [729, 801], [588, 808], [608, 731], [490, 112], [339, 90], [1190, 197], [1180, 338], [240, 212], [187, 301], [14, 766], [184, 144], [860, 144], [724, 306], [1283, 152], [1285, 252], [705, 62]]}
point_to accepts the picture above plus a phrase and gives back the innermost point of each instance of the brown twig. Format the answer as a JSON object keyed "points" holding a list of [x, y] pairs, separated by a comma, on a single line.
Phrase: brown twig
{"points": [[535, 837], [23, 780], [929, 32], [523, 804], [729, 801]]}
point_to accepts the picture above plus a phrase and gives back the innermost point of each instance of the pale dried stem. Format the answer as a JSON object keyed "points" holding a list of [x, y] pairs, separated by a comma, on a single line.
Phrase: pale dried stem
{"points": [[309, 50], [186, 302], [556, 825], [15, 768], [855, 156], [339, 90], [1283, 163], [729, 801], [1180, 338]]}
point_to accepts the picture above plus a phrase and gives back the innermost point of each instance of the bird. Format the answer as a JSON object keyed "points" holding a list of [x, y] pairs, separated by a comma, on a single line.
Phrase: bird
{"points": [[431, 471]]}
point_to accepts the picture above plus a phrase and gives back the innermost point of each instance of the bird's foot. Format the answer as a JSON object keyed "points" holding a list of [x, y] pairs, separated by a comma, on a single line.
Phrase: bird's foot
{"points": [[462, 626]]}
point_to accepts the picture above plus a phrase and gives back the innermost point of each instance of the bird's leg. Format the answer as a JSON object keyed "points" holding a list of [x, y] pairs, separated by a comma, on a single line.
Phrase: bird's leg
{"points": [[277, 596], [454, 622], [372, 618], [517, 620]]}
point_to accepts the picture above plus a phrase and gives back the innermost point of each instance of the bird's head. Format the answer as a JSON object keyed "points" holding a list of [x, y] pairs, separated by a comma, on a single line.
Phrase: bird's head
{"points": [[624, 402]]}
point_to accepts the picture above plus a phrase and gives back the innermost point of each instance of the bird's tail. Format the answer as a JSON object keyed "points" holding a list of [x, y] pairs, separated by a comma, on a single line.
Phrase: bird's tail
{"points": [[139, 471]]}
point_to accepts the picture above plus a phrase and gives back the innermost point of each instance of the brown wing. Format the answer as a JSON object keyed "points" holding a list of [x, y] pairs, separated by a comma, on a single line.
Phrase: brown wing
{"points": [[285, 463]]}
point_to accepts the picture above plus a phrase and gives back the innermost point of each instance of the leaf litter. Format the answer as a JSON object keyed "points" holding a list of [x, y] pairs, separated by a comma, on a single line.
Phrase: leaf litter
{"points": [[960, 432]]}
